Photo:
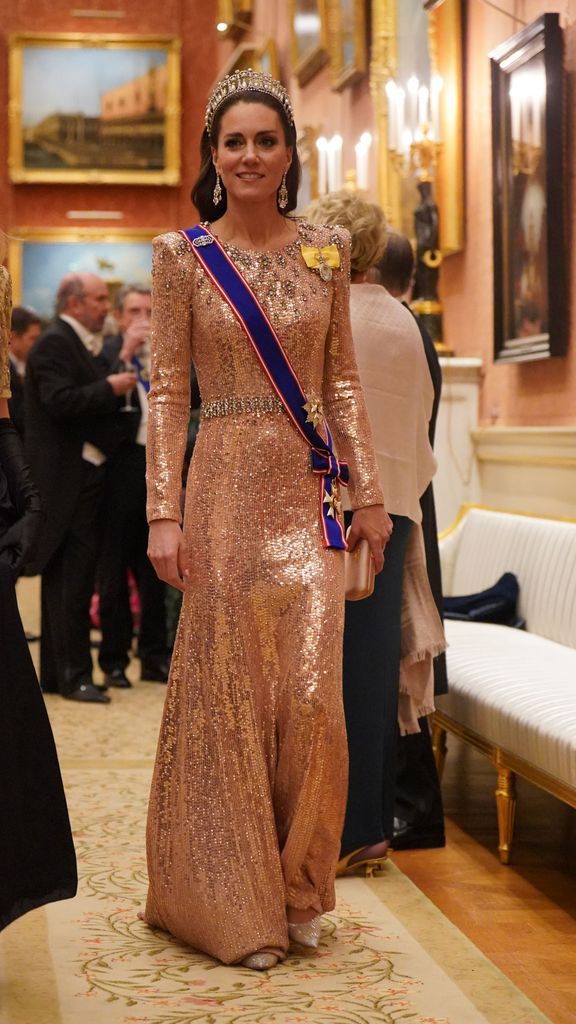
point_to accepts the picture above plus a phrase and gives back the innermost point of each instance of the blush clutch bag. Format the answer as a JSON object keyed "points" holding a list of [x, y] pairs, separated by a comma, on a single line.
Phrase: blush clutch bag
{"points": [[358, 572]]}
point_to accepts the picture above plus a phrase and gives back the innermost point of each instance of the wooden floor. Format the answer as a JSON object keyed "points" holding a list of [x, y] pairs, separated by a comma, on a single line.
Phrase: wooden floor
{"points": [[523, 916]]}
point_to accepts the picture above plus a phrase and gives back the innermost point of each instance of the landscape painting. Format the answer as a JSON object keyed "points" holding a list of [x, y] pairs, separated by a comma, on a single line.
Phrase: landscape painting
{"points": [[39, 261], [101, 110]]}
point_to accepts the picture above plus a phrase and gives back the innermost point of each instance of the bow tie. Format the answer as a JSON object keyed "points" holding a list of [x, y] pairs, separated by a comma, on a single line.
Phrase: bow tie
{"points": [[322, 260], [94, 343]]}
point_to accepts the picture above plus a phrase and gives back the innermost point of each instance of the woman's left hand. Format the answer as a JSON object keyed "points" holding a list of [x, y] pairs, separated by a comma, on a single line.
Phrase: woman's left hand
{"points": [[374, 524]]}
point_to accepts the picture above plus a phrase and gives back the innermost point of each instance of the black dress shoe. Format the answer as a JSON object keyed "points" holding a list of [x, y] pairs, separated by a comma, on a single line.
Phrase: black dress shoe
{"points": [[155, 671], [419, 836], [117, 677], [87, 693]]}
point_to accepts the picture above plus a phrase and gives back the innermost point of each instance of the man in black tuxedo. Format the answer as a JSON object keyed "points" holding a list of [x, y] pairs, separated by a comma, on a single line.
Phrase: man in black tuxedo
{"points": [[71, 429], [125, 528], [25, 330]]}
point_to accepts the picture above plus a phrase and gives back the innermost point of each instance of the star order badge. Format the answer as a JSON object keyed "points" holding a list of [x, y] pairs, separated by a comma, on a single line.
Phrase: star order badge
{"points": [[314, 409], [332, 500]]}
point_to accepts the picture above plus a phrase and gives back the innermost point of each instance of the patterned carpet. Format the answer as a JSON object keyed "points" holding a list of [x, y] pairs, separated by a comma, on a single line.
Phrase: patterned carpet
{"points": [[386, 955]]}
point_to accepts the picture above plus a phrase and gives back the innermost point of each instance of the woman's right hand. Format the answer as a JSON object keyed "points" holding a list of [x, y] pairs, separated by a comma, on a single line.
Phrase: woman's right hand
{"points": [[167, 553]]}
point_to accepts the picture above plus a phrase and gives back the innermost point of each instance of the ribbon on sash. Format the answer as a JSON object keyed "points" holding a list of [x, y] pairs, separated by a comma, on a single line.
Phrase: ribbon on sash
{"points": [[305, 413], [143, 377]]}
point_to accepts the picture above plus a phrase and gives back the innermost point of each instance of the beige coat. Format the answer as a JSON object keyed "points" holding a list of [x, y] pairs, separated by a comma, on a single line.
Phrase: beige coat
{"points": [[398, 389]]}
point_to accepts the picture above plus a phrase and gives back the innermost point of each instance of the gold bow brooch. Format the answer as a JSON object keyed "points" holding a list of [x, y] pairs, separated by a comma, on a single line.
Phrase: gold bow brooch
{"points": [[322, 260]]}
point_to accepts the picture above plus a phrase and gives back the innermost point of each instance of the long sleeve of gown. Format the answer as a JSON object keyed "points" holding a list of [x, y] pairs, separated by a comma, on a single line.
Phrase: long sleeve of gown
{"points": [[169, 396], [344, 404]]}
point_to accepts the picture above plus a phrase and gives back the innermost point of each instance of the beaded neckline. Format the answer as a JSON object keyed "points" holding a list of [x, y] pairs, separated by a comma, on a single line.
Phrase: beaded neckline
{"points": [[289, 247]]}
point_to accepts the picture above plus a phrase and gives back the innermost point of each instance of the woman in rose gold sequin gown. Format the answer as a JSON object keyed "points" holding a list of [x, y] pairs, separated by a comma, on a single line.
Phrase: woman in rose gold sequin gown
{"points": [[249, 787]]}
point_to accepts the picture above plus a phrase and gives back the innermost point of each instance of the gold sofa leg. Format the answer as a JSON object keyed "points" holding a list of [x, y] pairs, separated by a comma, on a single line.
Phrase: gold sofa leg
{"points": [[506, 808], [439, 747]]}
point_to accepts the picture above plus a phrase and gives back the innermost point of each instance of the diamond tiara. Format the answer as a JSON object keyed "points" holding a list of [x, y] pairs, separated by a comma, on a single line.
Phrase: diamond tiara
{"points": [[246, 81]]}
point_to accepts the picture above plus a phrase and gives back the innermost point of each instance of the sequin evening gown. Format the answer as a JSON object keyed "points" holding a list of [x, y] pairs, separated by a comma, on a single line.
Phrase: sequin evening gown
{"points": [[249, 786]]}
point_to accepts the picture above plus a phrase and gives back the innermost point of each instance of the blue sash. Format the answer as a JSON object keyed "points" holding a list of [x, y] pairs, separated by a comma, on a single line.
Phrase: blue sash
{"points": [[143, 378], [305, 413]]}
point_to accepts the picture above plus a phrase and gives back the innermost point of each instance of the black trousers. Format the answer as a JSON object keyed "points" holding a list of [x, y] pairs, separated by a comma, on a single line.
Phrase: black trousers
{"points": [[67, 586], [370, 684], [124, 546], [37, 859]]}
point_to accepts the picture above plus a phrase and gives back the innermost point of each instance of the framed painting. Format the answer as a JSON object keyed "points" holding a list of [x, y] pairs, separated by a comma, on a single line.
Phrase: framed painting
{"points": [[234, 17], [530, 250], [94, 109], [347, 41], [264, 58], [309, 34], [39, 259]]}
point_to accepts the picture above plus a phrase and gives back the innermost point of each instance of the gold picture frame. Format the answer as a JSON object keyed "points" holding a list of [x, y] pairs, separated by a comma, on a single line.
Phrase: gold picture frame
{"points": [[444, 40], [309, 37], [347, 41], [264, 58], [38, 258], [94, 109], [236, 15]]}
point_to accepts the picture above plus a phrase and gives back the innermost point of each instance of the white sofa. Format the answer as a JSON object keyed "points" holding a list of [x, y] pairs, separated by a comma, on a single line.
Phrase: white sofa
{"points": [[513, 693]]}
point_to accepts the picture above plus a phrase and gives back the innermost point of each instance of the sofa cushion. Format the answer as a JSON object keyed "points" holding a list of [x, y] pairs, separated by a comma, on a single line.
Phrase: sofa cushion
{"points": [[540, 552], [516, 690]]}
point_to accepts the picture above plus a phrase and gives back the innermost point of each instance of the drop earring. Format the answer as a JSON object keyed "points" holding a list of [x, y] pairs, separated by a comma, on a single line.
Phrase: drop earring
{"points": [[217, 193], [283, 194]]}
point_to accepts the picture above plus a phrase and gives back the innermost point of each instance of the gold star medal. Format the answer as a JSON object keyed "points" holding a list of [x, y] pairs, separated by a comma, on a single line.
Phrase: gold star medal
{"points": [[334, 505], [315, 411]]}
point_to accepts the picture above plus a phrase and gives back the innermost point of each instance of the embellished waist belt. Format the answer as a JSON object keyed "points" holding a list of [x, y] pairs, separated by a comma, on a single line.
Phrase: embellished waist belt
{"points": [[232, 404]]}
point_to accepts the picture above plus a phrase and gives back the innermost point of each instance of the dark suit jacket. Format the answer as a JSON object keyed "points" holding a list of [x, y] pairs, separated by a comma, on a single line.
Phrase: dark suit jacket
{"points": [[16, 402], [68, 402]]}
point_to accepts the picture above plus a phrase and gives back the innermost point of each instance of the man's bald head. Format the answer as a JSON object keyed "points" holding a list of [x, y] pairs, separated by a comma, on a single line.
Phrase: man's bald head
{"points": [[85, 297]]}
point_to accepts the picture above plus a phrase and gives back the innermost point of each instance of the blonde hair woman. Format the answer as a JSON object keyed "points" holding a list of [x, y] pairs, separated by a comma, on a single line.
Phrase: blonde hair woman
{"points": [[37, 860], [379, 690]]}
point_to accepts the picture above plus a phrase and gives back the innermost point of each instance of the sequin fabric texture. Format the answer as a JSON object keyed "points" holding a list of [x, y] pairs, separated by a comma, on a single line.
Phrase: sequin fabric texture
{"points": [[5, 307], [249, 786]]}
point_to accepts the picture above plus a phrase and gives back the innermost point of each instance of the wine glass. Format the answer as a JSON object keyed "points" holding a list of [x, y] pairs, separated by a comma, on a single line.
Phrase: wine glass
{"points": [[124, 367]]}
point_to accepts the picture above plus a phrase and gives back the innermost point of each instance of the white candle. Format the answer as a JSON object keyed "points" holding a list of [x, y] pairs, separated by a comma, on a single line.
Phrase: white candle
{"points": [[321, 146], [400, 107], [361, 166], [331, 169], [406, 142], [423, 105], [362, 150], [436, 89], [337, 147], [391, 95], [412, 86]]}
